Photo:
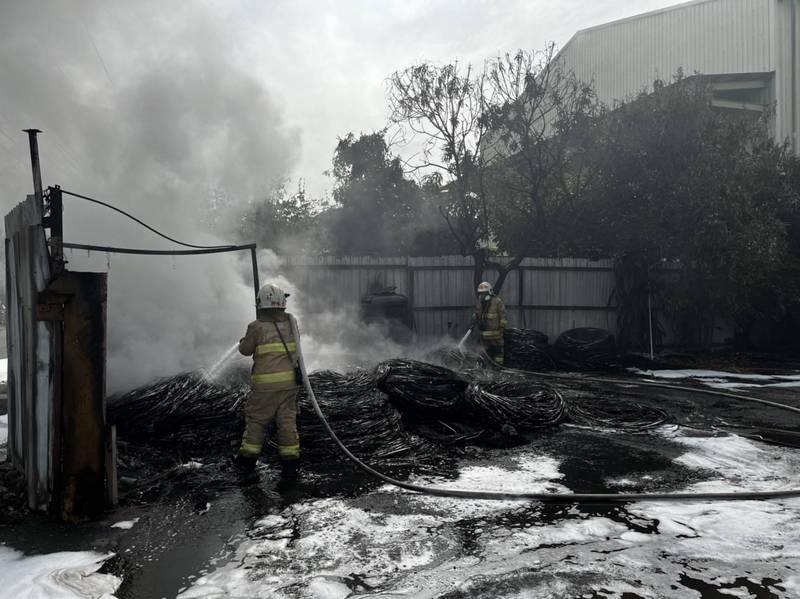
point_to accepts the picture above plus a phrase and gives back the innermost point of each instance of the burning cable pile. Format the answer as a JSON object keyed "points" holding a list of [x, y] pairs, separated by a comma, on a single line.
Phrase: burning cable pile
{"points": [[429, 395], [359, 413], [586, 348], [526, 349], [184, 411], [397, 415], [596, 406], [523, 404], [422, 390]]}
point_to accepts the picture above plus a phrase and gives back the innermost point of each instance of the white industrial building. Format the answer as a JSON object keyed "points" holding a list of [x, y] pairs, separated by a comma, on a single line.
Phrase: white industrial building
{"points": [[747, 48]]}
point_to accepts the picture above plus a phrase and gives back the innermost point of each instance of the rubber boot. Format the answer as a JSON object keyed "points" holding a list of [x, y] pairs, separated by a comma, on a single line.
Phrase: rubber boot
{"points": [[290, 467], [245, 464]]}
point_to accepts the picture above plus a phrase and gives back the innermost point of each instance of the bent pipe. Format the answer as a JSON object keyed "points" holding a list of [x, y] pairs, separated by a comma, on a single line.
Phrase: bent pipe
{"points": [[540, 497]]}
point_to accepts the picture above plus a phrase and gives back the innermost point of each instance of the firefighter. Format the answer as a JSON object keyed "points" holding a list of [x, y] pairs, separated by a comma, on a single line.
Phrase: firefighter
{"points": [[273, 382], [490, 316]]}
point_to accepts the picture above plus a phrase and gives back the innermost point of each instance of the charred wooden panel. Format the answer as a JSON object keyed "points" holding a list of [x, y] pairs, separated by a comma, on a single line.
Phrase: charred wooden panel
{"points": [[84, 436]]}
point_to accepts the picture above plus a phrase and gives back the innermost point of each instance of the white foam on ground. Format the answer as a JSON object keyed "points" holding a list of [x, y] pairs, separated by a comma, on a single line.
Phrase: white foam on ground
{"points": [[757, 536], [739, 464], [326, 588], [3, 429], [393, 543], [125, 524], [528, 473], [724, 380], [3, 370], [63, 575]]}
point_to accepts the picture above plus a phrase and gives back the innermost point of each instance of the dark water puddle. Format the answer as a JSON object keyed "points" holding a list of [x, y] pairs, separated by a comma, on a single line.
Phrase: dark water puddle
{"points": [[759, 590]]}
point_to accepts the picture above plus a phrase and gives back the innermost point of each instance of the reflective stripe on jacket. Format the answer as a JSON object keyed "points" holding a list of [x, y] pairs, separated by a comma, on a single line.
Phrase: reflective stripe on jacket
{"points": [[492, 319], [273, 368]]}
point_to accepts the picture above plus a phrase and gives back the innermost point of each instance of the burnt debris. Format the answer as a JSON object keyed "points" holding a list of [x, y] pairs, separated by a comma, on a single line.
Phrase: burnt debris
{"points": [[399, 415]]}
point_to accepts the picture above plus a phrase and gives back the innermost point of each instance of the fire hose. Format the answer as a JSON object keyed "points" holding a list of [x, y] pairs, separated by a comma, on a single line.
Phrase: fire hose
{"points": [[549, 497]]}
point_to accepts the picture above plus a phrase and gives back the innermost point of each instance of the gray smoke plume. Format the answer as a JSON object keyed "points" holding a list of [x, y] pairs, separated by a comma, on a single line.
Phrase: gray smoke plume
{"points": [[148, 106]]}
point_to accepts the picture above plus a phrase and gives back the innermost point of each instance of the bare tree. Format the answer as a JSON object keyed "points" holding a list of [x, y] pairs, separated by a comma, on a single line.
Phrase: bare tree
{"points": [[503, 137], [446, 107], [540, 122]]}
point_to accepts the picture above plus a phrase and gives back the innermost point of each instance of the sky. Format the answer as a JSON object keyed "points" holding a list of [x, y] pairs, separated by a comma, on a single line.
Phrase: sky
{"points": [[321, 66]]}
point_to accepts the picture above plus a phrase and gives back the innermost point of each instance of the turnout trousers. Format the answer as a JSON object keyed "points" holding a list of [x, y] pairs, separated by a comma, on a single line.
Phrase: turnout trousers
{"points": [[261, 408], [495, 349]]}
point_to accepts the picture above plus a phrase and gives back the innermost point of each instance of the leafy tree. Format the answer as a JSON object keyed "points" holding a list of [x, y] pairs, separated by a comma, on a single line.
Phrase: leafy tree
{"points": [[283, 221], [682, 184], [378, 210]]}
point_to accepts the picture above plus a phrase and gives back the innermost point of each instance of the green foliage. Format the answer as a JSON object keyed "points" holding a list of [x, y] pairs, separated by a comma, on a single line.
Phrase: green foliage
{"points": [[679, 182], [283, 221], [378, 210]]}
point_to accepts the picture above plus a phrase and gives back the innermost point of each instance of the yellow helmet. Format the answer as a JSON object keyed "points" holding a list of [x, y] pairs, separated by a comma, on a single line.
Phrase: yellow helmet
{"points": [[485, 287], [271, 296]]}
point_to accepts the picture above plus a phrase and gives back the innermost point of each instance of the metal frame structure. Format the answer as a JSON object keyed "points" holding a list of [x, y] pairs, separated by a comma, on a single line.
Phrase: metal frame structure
{"points": [[58, 435]]}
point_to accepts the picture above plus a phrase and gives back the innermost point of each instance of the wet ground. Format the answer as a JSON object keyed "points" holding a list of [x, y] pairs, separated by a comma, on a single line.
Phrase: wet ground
{"points": [[337, 533]]}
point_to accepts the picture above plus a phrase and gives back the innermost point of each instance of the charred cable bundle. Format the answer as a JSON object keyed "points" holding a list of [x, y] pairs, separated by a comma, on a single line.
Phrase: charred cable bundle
{"points": [[460, 360], [187, 410], [360, 415], [421, 390], [613, 412], [448, 433], [333, 384], [526, 349], [586, 348], [523, 404]]}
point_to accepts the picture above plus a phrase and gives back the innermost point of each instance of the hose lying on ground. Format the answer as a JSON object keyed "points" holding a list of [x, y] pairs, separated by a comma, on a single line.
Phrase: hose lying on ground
{"points": [[543, 497]]}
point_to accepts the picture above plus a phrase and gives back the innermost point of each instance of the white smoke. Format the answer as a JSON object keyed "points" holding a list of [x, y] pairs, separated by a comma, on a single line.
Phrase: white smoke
{"points": [[145, 105], [332, 332]]}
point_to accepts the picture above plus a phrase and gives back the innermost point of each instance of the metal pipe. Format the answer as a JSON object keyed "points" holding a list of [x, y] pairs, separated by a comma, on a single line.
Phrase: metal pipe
{"points": [[649, 312], [141, 252], [136, 251], [795, 91], [37, 173]]}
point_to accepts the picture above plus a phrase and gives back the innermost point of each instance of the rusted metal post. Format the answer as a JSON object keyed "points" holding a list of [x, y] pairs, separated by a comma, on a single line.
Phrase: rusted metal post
{"points": [[55, 222], [37, 173], [254, 258]]}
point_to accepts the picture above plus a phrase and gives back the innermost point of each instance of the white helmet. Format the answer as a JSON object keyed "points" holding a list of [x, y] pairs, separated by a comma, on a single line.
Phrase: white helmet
{"points": [[485, 287], [271, 296]]}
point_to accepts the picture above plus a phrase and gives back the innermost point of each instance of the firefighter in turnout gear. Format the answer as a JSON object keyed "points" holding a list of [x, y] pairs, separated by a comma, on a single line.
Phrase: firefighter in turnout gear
{"points": [[274, 381], [490, 316]]}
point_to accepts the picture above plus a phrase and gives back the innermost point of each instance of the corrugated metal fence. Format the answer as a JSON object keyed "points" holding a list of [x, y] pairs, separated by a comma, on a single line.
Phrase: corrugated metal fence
{"points": [[31, 346], [549, 295]]}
